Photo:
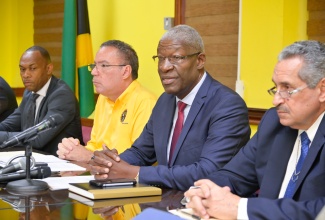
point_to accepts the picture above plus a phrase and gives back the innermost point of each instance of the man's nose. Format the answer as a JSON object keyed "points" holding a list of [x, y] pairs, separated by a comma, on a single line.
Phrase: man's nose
{"points": [[165, 65], [277, 99]]}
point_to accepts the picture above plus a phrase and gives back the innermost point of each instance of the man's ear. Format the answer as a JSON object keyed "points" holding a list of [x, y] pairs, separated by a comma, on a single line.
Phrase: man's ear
{"points": [[49, 68], [201, 60], [322, 90], [127, 72]]}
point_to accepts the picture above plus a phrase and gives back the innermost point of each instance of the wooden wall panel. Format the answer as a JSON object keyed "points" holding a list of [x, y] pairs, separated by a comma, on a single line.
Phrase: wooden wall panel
{"points": [[316, 5], [48, 22], [196, 8], [316, 22], [217, 21]]}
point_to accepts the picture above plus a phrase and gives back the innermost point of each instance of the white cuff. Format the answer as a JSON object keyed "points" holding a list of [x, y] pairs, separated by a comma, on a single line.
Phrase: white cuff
{"points": [[242, 209]]}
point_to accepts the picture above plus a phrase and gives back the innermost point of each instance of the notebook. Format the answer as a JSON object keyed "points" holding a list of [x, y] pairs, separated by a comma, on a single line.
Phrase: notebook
{"points": [[92, 192], [99, 203]]}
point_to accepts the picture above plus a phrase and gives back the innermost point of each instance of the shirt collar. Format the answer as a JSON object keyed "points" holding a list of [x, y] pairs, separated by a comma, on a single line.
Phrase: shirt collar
{"points": [[42, 92], [125, 96], [190, 97], [311, 132]]}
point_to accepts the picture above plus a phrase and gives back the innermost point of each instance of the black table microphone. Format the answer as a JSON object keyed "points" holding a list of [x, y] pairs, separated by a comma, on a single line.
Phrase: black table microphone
{"points": [[37, 173], [32, 132]]}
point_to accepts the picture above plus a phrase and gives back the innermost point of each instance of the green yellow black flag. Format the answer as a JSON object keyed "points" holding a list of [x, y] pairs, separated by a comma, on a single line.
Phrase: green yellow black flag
{"points": [[77, 53]]}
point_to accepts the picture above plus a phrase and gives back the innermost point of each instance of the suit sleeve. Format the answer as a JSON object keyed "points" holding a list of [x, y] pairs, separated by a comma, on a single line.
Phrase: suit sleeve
{"points": [[3, 100], [61, 101], [216, 135], [263, 208], [243, 175], [12, 124]]}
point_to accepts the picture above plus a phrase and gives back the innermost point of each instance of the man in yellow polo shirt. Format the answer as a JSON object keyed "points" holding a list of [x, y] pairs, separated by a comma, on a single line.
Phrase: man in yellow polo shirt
{"points": [[123, 106]]}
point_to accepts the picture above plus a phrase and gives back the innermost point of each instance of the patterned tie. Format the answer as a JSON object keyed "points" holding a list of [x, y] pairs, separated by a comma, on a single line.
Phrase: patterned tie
{"points": [[30, 117], [304, 150], [177, 129]]}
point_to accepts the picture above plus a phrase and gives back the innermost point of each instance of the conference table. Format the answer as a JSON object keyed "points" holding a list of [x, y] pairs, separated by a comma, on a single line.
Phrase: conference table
{"points": [[64, 205]]}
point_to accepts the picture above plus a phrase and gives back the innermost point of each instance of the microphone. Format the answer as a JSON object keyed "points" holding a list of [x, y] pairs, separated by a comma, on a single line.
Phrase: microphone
{"points": [[38, 173], [31, 133], [14, 166]]}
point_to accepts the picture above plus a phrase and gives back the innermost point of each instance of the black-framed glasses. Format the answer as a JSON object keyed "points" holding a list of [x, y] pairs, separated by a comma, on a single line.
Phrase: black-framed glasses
{"points": [[101, 66], [176, 59], [285, 94]]}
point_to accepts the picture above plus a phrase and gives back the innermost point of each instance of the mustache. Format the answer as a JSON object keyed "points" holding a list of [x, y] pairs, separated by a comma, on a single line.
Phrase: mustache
{"points": [[281, 108]]}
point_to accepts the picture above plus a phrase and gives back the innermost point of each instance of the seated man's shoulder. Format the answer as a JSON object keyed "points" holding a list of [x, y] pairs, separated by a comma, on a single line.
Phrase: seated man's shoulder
{"points": [[144, 94], [62, 87], [219, 91]]}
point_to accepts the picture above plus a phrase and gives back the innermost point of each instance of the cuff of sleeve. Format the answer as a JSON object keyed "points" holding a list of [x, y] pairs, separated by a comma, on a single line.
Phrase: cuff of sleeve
{"points": [[137, 177], [242, 209]]}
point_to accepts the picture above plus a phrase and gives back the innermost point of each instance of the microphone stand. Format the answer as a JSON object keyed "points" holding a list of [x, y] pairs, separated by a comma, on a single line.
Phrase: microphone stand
{"points": [[28, 185]]}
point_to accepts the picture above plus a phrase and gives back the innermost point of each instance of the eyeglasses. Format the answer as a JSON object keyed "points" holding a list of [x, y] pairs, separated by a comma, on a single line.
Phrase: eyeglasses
{"points": [[285, 94], [174, 59], [100, 67]]}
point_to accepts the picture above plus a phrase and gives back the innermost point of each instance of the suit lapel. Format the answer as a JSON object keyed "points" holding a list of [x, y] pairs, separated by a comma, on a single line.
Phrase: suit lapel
{"points": [[194, 111], [315, 148], [165, 130], [53, 82], [277, 163]]}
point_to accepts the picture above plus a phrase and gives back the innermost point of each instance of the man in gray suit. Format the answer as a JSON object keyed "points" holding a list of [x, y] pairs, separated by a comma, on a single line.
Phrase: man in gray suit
{"points": [[53, 97]]}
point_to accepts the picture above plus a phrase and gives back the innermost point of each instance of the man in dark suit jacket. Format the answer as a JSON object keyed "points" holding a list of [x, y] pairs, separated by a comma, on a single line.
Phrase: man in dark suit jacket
{"points": [[8, 102], [216, 121], [55, 97], [268, 162]]}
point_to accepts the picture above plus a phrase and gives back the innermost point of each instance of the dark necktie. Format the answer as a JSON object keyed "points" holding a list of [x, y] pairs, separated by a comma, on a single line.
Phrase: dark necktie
{"points": [[177, 129], [30, 117], [304, 150]]}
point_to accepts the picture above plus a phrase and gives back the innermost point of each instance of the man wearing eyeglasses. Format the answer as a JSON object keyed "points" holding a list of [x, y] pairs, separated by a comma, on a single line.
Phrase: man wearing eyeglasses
{"points": [[195, 128], [123, 106], [285, 159]]}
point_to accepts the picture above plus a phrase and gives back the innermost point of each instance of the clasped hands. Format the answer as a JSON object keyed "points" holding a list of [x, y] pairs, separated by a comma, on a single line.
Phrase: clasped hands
{"points": [[210, 200], [107, 164]]}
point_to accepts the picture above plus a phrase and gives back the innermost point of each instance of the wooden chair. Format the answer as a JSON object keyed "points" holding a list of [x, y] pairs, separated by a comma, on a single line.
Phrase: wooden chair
{"points": [[86, 126]]}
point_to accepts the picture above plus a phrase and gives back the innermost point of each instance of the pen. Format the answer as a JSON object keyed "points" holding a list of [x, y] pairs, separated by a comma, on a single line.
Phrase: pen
{"points": [[186, 200], [189, 214]]}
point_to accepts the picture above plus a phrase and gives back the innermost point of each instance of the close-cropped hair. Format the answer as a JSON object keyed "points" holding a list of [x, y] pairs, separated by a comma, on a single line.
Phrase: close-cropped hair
{"points": [[127, 52], [312, 54], [187, 35], [44, 53]]}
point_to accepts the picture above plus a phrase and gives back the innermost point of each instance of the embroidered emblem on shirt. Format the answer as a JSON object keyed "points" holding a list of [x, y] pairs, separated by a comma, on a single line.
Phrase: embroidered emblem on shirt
{"points": [[123, 116]]}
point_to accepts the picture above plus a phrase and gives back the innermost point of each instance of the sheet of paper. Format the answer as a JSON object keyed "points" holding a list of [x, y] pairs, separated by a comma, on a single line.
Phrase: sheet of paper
{"points": [[57, 183], [56, 167], [56, 164], [185, 213], [6, 156]]}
